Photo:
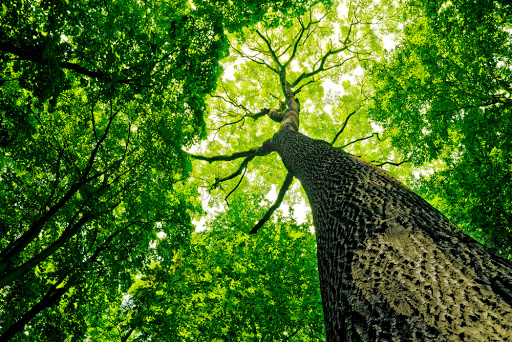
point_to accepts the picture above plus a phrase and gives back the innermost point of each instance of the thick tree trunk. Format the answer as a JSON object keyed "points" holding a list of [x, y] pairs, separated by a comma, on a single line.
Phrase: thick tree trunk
{"points": [[393, 268]]}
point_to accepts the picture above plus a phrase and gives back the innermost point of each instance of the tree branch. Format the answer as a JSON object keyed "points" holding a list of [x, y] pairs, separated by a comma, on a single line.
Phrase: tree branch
{"points": [[16, 246], [322, 67], [234, 156], [241, 168], [360, 139], [70, 231], [236, 187], [297, 41], [254, 59], [286, 185], [249, 114], [391, 163], [298, 90], [343, 127], [51, 297], [272, 53]]}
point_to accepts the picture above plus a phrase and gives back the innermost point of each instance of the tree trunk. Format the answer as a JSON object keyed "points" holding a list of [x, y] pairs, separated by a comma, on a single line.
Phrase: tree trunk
{"points": [[393, 268]]}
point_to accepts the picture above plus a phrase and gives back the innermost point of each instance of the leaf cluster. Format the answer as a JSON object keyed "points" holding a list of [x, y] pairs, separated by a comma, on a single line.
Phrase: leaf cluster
{"points": [[228, 285]]}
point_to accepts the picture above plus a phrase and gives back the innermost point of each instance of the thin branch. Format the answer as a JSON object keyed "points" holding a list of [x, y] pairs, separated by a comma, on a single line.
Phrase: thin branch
{"points": [[56, 182], [254, 59], [322, 67], [391, 163], [324, 58], [236, 187], [360, 139], [286, 185], [298, 90], [273, 54], [343, 127], [232, 102], [254, 116], [297, 41], [16, 246]]}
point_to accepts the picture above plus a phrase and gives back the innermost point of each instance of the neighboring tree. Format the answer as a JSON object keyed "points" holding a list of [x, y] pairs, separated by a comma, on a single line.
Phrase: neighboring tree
{"points": [[391, 266], [97, 98], [446, 91], [227, 286]]}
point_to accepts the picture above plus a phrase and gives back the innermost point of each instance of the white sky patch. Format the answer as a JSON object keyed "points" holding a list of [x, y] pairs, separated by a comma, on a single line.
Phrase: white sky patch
{"points": [[425, 173], [272, 194], [295, 66], [229, 72], [329, 85], [388, 41], [376, 128], [200, 225]]}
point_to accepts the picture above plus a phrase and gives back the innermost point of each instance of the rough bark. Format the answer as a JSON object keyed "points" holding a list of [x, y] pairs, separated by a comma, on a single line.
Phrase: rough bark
{"points": [[393, 268]]}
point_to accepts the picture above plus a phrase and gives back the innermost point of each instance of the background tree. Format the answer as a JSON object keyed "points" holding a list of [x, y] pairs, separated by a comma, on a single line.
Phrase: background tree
{"points": [[96, 101], [445, 90]]}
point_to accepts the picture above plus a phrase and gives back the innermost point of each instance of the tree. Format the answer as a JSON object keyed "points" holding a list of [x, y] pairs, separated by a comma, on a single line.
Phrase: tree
{"points": [[391, 266], [92, 94], [445, 90]]}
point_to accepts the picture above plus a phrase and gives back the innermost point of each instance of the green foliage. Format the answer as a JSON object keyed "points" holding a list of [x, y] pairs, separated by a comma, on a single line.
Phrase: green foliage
{"points": [[237, 14], [98, 98], [91, 98], [445, 93], [229, 286]]}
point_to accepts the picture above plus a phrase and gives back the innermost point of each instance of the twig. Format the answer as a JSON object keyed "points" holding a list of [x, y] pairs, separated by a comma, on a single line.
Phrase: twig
{"points": [[286, 185], [254, 116], [236, 187], [272, 52]]}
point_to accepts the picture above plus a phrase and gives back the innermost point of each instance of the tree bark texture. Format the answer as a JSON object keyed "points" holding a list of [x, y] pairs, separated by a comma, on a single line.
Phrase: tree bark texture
{"points": [[393, 268]]}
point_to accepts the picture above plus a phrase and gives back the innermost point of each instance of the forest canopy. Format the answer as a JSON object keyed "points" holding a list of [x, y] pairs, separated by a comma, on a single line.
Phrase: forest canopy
{"points": [[108, 107]]}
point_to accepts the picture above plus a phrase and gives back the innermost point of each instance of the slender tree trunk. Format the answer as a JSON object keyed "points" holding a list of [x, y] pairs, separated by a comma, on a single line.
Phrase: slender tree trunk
{"points": [[393, 268], [51, 298]]}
